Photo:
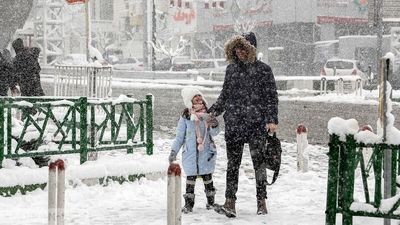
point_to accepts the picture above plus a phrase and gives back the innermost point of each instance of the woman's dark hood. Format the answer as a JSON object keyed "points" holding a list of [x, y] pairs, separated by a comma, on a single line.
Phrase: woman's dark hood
{"points": [[243, 42], [18, 45], [250, 37]]}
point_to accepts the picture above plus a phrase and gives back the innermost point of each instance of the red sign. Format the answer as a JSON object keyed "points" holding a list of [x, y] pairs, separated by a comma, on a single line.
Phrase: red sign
{"points": [[72, 2], [227, 27], [340, 20]]}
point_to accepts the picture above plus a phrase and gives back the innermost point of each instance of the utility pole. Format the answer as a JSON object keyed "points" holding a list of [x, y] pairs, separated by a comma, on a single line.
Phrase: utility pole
{"points": [[88, 29], [148, 33], [378, 22]]}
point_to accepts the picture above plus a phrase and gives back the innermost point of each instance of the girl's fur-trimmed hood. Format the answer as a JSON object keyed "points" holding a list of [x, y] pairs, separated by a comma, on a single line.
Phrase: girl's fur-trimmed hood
{"points": [[239, 40]]}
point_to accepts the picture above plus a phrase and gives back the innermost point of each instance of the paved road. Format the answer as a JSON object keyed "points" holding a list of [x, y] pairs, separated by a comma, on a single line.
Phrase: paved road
{"points": [[315, 115]]}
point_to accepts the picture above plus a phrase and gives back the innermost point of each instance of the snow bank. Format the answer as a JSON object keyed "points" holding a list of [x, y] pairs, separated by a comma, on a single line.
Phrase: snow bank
{"points": [[106, 165]]}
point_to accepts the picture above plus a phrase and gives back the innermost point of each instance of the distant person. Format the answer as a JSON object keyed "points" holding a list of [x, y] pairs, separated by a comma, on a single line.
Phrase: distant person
{"points": [[250, 102], [194, 132], [7, 80], [27, 69]]}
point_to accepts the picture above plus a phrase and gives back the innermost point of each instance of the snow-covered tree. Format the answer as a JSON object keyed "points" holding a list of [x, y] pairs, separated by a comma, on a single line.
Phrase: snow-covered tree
{"points": [[213, 45], [243, 22], [168, 48], [102, 39]]}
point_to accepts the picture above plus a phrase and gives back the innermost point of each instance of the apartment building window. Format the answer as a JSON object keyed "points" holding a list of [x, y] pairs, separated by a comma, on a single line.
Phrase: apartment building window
{"points": [[172, 3], [179, 3], [206, 5], [187, 5], [221, 4], [106, 10], [214, 4]]}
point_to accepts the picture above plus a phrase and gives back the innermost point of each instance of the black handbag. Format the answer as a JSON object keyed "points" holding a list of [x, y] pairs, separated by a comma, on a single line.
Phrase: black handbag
{"points": [[272, 155]]}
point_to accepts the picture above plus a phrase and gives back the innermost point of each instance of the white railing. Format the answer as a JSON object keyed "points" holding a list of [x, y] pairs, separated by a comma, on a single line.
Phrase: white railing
{"points": [[82, 81]]}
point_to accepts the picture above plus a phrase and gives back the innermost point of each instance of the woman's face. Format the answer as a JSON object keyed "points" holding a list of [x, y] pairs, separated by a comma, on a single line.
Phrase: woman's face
{"points": [[197, 99], [241, 53]]}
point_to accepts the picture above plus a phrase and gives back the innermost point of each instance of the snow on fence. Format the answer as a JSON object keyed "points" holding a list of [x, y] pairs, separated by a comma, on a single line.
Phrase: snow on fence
{"points": [[86, 81], [53, 126], [345, 159]]}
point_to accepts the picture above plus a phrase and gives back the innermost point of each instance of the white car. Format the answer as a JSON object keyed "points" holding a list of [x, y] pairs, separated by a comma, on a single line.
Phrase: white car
{"points": [[129, 64], [342, 67]]}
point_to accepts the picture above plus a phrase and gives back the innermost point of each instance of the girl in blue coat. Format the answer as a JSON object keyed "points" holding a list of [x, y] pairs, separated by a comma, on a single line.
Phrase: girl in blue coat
{"points": [[194, 135]]}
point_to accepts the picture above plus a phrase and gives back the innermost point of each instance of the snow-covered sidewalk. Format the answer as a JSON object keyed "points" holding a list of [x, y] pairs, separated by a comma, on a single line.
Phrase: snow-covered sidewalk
{"points": [[295, 199]]}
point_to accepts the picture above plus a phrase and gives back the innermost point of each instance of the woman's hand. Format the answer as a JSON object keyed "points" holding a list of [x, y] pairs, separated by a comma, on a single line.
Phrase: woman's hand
{"points": [[271, 128], [212, 121]]}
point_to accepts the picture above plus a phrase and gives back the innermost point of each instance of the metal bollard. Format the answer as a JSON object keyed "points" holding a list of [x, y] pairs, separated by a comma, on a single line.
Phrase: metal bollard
{"points": [[56, 201], [302, 144], [174, 216], [323, 86]]}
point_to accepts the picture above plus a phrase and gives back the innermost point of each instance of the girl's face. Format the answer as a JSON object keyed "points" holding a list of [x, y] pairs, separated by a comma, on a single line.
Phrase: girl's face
{"points": [[197, 99]]}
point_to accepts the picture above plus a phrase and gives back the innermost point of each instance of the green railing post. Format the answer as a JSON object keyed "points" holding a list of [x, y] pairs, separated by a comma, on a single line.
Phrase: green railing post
{"points": [[92, 126], [113, 122], [333, 176], [342, 174], [9, 121], [129, 126], [83, 130], [2, 133], [149, 124], [394, 169], [378, 175], [350, 165]]}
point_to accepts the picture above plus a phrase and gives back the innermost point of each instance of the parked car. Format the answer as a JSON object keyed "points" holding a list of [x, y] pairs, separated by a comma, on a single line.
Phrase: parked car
{"points": [[72, 60], [206, 66], [343, 67], [182, 64], [163, 64], [129, 64]]}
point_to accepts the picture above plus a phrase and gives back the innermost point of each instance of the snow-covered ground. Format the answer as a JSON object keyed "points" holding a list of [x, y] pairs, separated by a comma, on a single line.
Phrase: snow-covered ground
{"points": [[295, 199]]}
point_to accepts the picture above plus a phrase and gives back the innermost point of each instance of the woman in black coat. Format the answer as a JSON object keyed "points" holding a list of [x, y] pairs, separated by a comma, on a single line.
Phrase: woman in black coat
{"points": [[250, 102], [7, 79]]}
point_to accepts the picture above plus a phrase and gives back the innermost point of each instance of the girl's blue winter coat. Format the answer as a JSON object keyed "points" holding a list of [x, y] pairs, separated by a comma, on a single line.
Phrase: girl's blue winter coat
{"points": [[195, 162]]}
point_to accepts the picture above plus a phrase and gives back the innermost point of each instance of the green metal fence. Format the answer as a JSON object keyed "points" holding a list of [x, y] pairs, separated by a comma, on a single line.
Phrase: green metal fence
{"points": [[54, 126], [345, 159]]}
